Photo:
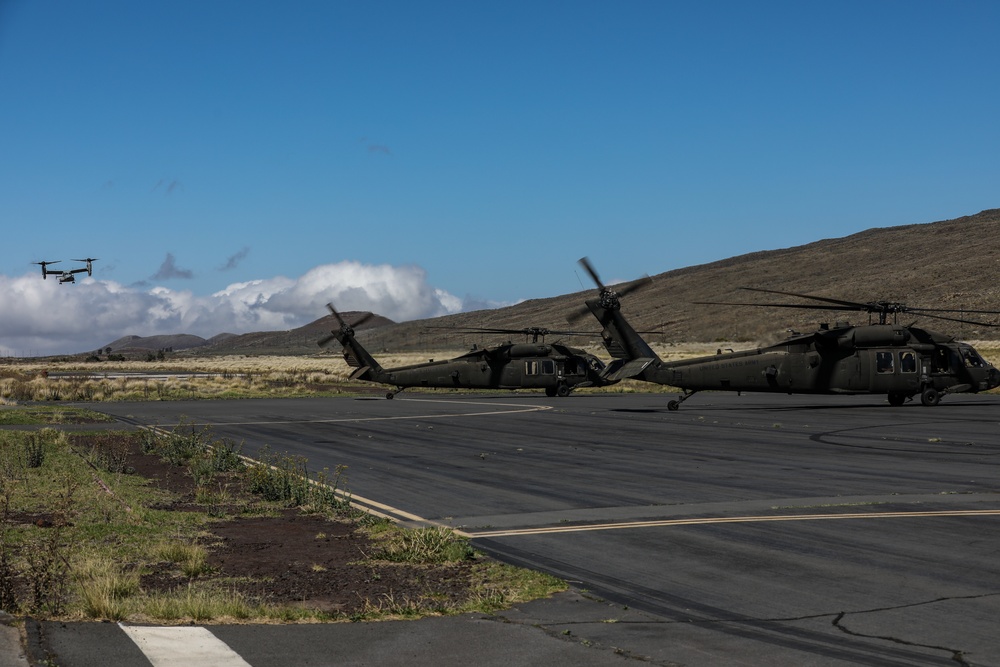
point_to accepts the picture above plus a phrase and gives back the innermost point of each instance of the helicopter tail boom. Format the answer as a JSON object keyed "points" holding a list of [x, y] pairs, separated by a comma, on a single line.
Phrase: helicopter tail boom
{"points": [[620, 339]]}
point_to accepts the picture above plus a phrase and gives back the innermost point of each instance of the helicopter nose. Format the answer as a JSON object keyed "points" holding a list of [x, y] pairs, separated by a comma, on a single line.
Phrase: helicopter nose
{"points": [[992, 379]]}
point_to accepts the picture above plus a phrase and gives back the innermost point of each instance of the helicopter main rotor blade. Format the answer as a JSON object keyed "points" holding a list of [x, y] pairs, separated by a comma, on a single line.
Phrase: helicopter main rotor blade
{"points": [[577, 314], [477, 329], [954, 310], [883, 307], [850, 305], [802, 306], [920, 313], [589, 268], [636, 284], [361, 320], [334, 312], [870, 307], [527, 331]]}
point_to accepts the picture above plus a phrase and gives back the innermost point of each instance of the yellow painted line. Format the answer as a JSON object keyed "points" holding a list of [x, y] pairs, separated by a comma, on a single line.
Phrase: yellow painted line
{"points": [[717, 520], [520, 408], [389, 510]]}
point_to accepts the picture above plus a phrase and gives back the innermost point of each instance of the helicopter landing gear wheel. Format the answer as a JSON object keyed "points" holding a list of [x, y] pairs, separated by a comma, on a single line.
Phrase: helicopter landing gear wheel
{"points": [[930, 396], [550, 391], [896, 399], [389, 395], [676, 403], [562, 391]]}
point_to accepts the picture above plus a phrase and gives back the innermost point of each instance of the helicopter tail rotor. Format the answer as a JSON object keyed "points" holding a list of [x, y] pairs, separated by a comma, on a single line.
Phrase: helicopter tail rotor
{"points": [[346, 330], [610, 299]]}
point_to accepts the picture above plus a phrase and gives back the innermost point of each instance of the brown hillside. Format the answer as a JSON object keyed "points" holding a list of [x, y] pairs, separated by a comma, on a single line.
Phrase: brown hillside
{"points": [[949, 264]]}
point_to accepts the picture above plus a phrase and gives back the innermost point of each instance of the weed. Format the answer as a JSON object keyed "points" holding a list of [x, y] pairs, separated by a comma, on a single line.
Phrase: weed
{"points": [[225, 455], [8, 596], [34, 450], [46, 556], [387, 605], [202, 470], [182, 444], [279, 478], [107, 451], [199, 604], [435, 544], [104, 588], [192, 558]]}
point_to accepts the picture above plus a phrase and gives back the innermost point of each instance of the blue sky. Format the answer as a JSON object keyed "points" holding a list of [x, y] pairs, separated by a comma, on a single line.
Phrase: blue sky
{"points": [[235, 165]]}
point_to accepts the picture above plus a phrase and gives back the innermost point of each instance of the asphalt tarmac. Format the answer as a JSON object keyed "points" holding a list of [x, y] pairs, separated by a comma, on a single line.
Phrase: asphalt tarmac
{"points": [[739, 530]]}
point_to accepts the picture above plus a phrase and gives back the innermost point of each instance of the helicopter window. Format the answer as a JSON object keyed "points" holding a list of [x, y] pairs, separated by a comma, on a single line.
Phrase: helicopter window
{"points": [[548, 367], [883, 362], [939, 362], [972, 358], [531, 367], [907, 362]]}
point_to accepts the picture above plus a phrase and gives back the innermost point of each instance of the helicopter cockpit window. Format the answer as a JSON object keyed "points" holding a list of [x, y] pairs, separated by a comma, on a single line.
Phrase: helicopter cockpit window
{"points": [[883, 362], [972, 358], [907, 362], [939, 362]]}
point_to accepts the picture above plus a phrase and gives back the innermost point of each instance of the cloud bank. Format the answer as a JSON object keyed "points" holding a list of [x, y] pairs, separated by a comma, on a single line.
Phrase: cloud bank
{"points": [[44, 318]]}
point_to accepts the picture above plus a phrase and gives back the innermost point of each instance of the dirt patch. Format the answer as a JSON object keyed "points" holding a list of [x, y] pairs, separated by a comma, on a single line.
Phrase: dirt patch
{"points": [[322, 564], [302, 559]]}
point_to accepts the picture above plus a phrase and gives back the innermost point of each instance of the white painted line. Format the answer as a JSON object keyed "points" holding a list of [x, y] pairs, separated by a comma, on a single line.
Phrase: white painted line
{"points": [[177, 646]]}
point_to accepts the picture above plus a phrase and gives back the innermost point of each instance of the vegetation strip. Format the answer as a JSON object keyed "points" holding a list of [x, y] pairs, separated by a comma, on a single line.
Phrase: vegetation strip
{"points": [[215, 537], [734, 519]]}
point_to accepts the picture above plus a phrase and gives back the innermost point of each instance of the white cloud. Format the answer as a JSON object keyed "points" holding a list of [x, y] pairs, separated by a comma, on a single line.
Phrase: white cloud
{"points": [[43, 317]]}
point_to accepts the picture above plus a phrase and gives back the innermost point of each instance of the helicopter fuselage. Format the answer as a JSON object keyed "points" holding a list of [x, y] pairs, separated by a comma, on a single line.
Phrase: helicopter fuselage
{"points": [[898, 361], [517, 366], [890, 359]]}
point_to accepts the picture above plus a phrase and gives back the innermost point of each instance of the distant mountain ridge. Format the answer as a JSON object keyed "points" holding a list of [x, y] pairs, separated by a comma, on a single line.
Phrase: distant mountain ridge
{"points": [[947, 264], [297, 340]]}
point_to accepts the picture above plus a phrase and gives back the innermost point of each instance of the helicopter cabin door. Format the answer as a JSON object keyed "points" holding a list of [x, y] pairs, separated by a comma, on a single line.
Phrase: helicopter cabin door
{"points": [[894, 370], [539, 372]]}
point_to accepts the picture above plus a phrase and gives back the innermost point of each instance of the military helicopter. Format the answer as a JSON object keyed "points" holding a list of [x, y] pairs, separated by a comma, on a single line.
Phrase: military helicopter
{"points": [[68, 275], [884, 358], [554, 367]]}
